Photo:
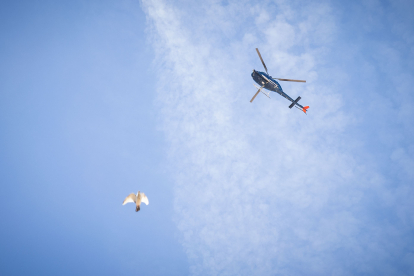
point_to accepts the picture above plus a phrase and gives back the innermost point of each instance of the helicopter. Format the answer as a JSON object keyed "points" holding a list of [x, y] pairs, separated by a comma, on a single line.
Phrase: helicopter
{"points": [[270, 83]]}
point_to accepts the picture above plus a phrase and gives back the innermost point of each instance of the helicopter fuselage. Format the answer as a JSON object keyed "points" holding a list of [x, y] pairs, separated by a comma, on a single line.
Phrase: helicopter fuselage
{"points": [[266, 81]]}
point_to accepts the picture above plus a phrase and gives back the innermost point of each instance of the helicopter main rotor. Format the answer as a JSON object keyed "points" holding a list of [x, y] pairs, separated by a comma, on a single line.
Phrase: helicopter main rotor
{"points": [[264, 65], [260, 56]]}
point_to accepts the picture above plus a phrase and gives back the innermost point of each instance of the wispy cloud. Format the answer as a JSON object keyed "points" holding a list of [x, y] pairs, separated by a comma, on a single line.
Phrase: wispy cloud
{"points": [[260, 188]]}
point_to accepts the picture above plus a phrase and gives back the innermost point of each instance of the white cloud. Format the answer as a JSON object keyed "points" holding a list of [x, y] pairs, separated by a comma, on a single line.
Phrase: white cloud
{"points": [[260, 188]]}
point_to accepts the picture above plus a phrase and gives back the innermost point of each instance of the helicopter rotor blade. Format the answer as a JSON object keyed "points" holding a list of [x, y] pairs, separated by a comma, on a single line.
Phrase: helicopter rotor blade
{"points": [[260, 56], [258, 91], [291, 80]]}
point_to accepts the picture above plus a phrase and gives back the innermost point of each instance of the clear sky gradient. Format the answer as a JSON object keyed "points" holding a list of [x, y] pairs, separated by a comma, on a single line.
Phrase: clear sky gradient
{"points": [[100, 99]]}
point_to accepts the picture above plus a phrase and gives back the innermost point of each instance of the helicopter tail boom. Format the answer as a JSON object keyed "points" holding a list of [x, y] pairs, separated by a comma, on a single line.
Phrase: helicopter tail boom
{"points": [[304, 109], [294, 102]]}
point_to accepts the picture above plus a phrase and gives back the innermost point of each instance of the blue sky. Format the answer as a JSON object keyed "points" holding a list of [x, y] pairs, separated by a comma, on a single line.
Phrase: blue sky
{"points": [[104, 98]]}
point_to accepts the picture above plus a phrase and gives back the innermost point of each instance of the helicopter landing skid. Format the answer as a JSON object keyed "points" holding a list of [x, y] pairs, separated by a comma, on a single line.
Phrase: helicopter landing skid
{"points": [[267, 94]]}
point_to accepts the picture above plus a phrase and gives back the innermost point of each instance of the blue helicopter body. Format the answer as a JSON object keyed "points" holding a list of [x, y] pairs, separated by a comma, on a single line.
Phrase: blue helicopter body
{"points": [[266, 81]]}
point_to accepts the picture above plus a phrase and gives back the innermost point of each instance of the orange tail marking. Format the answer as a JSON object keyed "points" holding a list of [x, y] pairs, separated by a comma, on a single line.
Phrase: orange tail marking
{"points": [[305, 108]]}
